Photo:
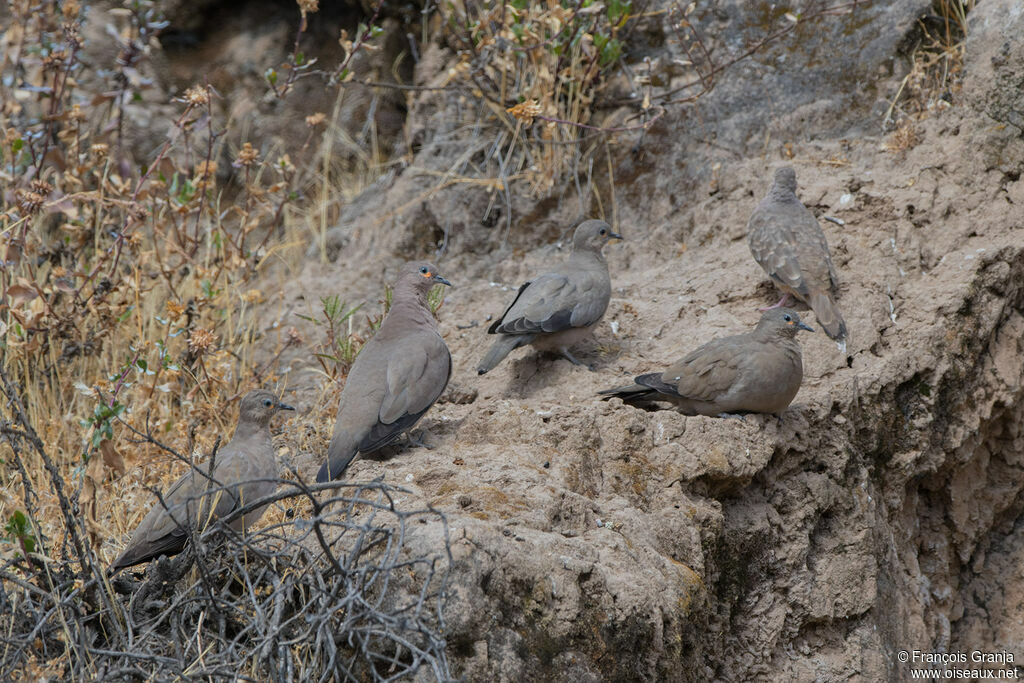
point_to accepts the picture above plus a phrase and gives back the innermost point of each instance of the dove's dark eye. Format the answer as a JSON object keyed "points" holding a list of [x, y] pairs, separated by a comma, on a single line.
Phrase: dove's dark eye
{"points": [[423, 269], [603, 231], [788, 318], [267, 402]]}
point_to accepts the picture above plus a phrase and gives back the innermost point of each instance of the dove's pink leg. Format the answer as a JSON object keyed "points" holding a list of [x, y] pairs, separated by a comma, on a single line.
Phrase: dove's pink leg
{"points": [[782, 302]]}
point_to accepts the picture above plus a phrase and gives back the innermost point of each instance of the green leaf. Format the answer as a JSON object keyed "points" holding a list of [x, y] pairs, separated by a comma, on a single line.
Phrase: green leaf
{"points": [[208, 289], [186, 193], [618, 12], [17, 523], [610, 52], [19, 531]]}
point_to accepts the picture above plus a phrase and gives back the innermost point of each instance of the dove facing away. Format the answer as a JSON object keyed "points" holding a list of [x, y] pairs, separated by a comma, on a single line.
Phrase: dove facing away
{"points": [[788, 243], [756, 372], [245, 470], [559, 308], [396, 377]]}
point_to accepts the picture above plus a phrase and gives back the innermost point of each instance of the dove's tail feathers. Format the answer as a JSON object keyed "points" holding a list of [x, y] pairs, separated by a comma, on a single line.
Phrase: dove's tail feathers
{"points": [[630, 392], [828, 315], [502, 346], [338, 459]]}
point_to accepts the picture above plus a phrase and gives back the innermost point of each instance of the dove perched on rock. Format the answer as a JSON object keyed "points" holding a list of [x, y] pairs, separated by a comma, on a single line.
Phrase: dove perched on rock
{"points": [[245, 470], [787, 241], [559, 308], [397, 376], [756, 372]]}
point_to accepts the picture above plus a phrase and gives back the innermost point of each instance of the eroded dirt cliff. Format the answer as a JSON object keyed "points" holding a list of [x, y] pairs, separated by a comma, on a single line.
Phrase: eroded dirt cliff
{"points": [[883, 511]]}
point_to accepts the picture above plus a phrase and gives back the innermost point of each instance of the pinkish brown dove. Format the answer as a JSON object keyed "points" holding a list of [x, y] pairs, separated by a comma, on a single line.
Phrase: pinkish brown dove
{"points": [[756, 372], [397, 376], [788, 243], [559, 308], [245, 470]]}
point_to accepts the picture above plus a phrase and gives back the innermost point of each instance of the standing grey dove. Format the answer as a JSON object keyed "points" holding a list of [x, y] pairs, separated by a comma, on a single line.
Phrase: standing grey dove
{"points": [[756, 372], [787, 241], [560, 307], [244, 471], [397, 376]]}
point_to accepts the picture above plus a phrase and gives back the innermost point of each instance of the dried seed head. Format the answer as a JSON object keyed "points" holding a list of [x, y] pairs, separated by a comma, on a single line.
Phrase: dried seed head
{"points": [[206, 168], [314, 120], [206, 173], [292, 336], [71, 34], [197, 96], [42, 187], [201, 341], [138, 214], [54, 60], [30, 203], [247, 156], [174, 309], [309, 6], [525, 111]]}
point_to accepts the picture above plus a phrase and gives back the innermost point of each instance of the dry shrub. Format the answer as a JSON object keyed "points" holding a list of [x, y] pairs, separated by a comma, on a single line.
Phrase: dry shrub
{"points": [[127, 289], [127, 333], [538, 67], [342, 593]]}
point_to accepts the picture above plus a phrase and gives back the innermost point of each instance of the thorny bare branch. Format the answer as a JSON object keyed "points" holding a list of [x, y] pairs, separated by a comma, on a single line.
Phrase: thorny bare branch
{"points": [[356, 591]]}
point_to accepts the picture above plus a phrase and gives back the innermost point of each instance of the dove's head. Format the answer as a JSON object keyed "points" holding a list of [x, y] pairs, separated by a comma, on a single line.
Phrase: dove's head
{"points": [[783, 322], [420, 276], [592, 235], [259, 406], [785, 179]]}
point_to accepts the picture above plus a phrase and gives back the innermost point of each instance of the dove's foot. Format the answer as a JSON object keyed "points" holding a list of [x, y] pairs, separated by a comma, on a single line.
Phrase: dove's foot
{"points": [[782, 302], [417, 441]]}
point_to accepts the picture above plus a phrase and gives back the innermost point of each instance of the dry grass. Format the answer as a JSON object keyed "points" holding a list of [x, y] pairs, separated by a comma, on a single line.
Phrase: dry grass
{"points": [[537, 68], [128, 288], [936, 72]]}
